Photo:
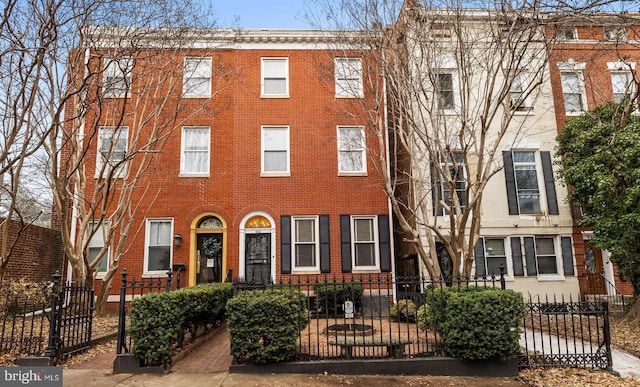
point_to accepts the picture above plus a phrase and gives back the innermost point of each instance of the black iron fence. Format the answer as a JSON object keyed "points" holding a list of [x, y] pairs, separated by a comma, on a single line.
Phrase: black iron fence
{"points": [[53, 321], [362, 321], [131, 289]]}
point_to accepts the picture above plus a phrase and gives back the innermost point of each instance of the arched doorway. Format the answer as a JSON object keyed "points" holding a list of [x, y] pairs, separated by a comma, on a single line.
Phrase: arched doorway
{"points": [[208, 250], [595, 269], [257, 248]]}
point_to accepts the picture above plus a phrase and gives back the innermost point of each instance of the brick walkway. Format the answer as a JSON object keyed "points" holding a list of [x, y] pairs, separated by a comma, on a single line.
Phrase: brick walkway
{"points": [[210, 356]]}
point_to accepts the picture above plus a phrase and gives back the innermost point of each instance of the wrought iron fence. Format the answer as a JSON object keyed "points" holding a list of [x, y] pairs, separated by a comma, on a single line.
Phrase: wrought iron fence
{"points": [[131, 289], [54, 321]]}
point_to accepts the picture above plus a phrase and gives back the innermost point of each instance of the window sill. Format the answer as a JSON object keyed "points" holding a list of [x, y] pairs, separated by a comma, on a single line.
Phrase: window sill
{"points": [[343, 96], [550, 277], [154, 274], [352, 173], [304, 271], [574, 114], [522, 113], [275, 174], [196, 96], [365, 271], [193, 175], [274, 96]]}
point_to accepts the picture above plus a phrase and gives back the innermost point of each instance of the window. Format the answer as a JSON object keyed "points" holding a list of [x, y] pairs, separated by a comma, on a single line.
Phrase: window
{"points": [[546, 259], [348, 77], [116, 79], [616, 33], [305, 243], [454, 166], [445, 93], [495, 255], [96, 243], [573, 92], [364, 242], [528, 192], [351, 150], [112, 148], [566, 33], [275, 76], [517, 99], [275, 150], [197, 77], [195, 151], [622, 84], [158, 245]]}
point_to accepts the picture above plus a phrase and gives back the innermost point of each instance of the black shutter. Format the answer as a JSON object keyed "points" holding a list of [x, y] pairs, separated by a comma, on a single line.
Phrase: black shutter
{"points": [[436, 192], [383, 241], [285, 244], [478, 253], [510, 180], [345, 242], [549, 186], [516, 256], [325, 252], [567, 255], [530, 255]]}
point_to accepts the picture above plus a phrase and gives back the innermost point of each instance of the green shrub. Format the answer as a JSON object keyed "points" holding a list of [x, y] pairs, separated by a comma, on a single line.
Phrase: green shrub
{"points": [[264, 325], [403, 310], [330, 296], [482, 324], [423, 319], [437, 299], [160, 321]]}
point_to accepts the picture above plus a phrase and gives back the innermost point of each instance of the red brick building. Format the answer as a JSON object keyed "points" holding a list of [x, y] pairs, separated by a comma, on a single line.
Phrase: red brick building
{"points": [[593, 62], [269, 170]]}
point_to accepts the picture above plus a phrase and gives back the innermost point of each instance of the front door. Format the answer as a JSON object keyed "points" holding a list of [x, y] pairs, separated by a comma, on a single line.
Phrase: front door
{"points": [[595, 269], [258, 258], [209, 258]]}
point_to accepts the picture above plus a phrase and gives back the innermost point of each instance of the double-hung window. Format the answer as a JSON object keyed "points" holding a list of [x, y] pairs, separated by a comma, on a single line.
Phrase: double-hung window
{"points": [[348, 73], [546, 258], [116, 78], [305, 243], [615, 34], [622, 85], [97, 243], [112, 149], [445, 90], [573, 90], [275, 150], [455, 175], [365, 244], [518, 101], [527, 187], [194, 160], [351, 150], [566, 33], [495, 255], [158, 245], [197, 77], [275, 77]]}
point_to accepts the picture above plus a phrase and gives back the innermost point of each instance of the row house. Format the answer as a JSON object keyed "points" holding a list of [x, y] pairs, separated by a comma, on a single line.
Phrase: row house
{"points": [[593, 62], [489, 95], [266, 174]]}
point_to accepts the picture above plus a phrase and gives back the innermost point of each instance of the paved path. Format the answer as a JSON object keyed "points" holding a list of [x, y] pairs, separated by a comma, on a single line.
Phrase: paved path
{"points": [[626, 364]]}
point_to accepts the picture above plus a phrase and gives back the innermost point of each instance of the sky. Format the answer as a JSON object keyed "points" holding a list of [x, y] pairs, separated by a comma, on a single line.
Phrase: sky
{"points": [[273, 14]]}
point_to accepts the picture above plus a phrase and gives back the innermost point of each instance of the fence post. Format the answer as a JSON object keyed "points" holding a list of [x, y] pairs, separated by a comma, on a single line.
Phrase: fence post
{"points": [[169, 274], [503, 283], [607, 336], [52, 345], [121, 314]]}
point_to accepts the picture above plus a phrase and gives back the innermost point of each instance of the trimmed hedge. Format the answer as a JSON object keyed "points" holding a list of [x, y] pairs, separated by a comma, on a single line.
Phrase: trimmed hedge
{"points": [[476, 322], [330, 296], [161, 321], [403, 310], [264, 324]]}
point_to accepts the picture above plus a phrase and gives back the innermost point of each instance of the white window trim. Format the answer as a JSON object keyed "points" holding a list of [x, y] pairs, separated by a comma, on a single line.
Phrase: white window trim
{"points": [[183, 172], [570, 66], [542, 190], [146, 246], [376, 245], [305, 269], [264, 173], [559, 275], [456, 91], [356, 93], [127, 76], [627, 68], [122, 168], [573, 29], [188, 94], [262, 92], [527, 105], [508, 270], [443, 183], [363, 152], [615, 33], [107, 254]]}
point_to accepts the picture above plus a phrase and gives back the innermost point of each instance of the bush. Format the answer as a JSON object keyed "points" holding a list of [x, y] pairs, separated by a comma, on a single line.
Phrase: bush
{"points": [[437, 299], [403, 310], [160, 321], [482, 324], [264, 325], [330, 296], [423, 319]]}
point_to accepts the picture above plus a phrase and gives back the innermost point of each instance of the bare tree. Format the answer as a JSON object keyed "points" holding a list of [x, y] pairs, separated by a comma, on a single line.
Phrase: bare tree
{"points": [[461, 83]]}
